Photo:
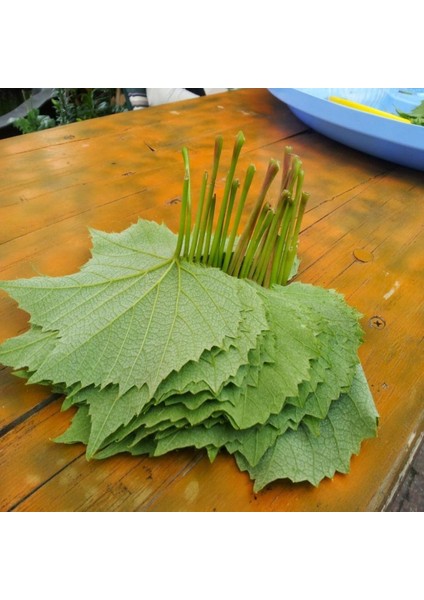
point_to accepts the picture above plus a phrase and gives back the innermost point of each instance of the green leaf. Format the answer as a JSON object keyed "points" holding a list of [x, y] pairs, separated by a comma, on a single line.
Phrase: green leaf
{"points": [[132, 314], [301, 456], [197, 437], [29, 350], [215, 367], [339, 334], [253, 443], [416, 115], [109, 410], [186, 408], [79, 430], [296, 345], [144, 446]]}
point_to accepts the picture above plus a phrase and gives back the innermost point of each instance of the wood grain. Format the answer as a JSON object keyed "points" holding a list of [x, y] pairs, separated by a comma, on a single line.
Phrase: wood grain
{"points": [[107, 173]]}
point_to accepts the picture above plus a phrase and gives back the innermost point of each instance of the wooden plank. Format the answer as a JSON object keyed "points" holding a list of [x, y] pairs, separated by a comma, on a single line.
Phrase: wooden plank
{"points": [[230, 110], [27, 457], [357, 203], [119, 484], [17, 398], [83, 177]]}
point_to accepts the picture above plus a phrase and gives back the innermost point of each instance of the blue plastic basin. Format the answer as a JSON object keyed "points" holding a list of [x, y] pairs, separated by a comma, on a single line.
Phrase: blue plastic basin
{"points": [[391, 140]]}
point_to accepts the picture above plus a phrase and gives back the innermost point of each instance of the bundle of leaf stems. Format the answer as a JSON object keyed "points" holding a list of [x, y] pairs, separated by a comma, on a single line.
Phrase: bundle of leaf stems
{"points": [[266, 248]]}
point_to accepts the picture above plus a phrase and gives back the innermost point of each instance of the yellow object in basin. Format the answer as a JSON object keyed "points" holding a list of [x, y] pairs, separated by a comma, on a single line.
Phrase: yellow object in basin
{"points": [[365, 108]]}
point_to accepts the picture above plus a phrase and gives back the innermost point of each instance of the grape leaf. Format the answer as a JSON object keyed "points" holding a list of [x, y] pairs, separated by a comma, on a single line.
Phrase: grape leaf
{"points": [[109, 410], [214, 368], [121, 415], [79, 429], [296, 345], [28, 350], [301, 456], [340, 335], [132, 315]]}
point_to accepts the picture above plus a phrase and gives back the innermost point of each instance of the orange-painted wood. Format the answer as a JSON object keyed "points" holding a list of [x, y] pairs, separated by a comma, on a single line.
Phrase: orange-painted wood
{"points": [[362, 235]]}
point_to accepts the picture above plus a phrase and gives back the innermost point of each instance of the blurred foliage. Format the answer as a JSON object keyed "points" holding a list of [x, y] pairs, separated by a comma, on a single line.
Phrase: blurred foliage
{"points": [[416, 116], [33, 121], [71, 105]]}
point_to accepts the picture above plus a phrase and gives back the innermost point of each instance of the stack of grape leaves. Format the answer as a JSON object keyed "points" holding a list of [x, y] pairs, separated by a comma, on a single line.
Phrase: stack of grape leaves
{"points": [[158, 352]]}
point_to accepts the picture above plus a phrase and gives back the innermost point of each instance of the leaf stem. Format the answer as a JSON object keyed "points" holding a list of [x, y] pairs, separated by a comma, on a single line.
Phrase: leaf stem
{"points": [[289, 241], [284, 269], [258, 253], [209, 228], [235, 186], [188, 204], [183, 214], [251, 170], [237, 259], [217, 155], [257, 234], [281, 236], [293, 173], [282, 241], [199, 255], [269, 246], [215, 166], [197, 226], [214, 254], [294, 241], [203, 226], [287, 160], [262, 224]]}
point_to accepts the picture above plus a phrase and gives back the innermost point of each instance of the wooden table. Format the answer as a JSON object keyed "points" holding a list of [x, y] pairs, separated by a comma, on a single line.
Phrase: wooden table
{"points": [[108, 172]]}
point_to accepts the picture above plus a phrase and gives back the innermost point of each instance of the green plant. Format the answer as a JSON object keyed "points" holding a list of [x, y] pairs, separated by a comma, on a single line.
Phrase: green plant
{"points": [[33, 121], [416, 116], [71, 105]]}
